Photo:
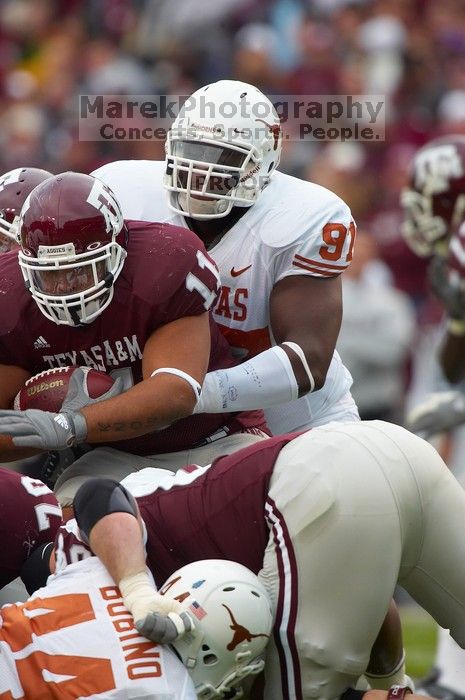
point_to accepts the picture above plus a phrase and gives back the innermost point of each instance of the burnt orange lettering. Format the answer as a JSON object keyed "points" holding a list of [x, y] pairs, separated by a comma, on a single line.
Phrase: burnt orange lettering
{"points": [[59, 611], [142, 650], [110, 592], [89, 676], [117, 609], [137, 670], [123, 625]]}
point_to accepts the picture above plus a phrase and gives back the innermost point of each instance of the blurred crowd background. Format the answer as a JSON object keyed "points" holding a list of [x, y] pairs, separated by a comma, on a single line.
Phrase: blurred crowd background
{"points": [[412, 51]]}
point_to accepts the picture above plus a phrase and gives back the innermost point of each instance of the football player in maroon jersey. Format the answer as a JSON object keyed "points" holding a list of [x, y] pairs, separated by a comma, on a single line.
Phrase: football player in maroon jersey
{"points": [[434, 209], [15, 186], [29, 520], [434, 225], [128, 298], [331, 520]]}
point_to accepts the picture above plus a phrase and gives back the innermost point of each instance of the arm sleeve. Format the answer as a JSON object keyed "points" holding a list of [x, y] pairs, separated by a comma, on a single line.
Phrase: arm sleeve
{"points": [[265, 380]]}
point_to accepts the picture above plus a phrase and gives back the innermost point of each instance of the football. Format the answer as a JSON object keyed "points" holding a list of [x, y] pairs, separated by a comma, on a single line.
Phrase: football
{"points": [[47, 390]]}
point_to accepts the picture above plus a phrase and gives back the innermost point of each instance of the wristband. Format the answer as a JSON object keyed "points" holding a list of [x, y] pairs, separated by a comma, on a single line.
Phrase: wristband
{"points": [[193, 383], [398, 692], [300, 353]]}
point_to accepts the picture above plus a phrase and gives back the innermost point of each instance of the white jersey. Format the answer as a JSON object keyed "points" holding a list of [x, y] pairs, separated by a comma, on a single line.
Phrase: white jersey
{"points": [[75, 639], [295, 228]]}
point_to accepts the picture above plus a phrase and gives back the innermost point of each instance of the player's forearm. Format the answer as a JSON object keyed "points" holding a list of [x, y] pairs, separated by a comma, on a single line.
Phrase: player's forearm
{"points": [[150, 405], [117, 540], [266, 380]]}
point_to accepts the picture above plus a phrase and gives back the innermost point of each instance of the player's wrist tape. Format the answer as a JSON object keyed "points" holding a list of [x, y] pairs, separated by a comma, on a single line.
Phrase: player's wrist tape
{"points": [[398, 692], [141, 598], [193, 383], [265, 380], [456, 327]]}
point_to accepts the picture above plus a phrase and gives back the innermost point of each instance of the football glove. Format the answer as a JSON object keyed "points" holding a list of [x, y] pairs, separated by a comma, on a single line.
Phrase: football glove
{"points": [[77, 396], [157, 617], [42, 430], [439, 413]]}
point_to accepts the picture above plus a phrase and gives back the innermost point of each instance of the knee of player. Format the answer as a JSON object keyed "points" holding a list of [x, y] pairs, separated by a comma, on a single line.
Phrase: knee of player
{"points": [[99, 497]]}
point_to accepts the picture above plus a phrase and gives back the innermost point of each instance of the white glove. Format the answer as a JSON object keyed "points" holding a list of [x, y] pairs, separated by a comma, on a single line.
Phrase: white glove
{"points": [[157, 617], [439, 413]]}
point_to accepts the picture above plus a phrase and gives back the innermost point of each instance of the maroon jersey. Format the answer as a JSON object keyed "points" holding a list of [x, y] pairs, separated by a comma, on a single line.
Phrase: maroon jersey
{"points": [[167, 275], [29, 516], [212, 512]]}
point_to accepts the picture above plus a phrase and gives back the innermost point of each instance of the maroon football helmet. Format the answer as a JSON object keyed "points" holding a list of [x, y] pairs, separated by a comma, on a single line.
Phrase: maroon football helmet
{"points": [[73, 239], [15, 185], [434, 202]]}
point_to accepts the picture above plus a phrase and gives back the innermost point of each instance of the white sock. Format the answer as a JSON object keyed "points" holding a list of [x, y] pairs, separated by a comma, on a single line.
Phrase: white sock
{"points": [[450, 661]]}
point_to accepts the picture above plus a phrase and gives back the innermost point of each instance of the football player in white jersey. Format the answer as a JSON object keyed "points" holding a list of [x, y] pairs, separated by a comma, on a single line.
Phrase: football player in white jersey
{"points": [[280, 244], [75, 639]]}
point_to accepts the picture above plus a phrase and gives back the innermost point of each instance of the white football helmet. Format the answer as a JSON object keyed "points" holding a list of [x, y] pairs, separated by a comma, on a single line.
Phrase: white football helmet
{"points": [[232, 615], [221, 150]]}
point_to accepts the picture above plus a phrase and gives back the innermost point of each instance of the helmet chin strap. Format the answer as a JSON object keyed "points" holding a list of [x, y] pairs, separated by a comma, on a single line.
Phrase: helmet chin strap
{"points": [[76, 320], [91, 307]]}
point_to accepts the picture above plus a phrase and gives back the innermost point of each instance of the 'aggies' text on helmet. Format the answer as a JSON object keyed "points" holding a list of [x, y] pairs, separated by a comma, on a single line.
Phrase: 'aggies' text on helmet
{"points": [[232, 615], [73, 246], [434, 202], [221, 150], [15, 186]]}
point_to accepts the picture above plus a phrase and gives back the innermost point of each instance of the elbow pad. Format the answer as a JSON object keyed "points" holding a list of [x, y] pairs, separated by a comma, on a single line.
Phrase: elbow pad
{"points": [[265, 380], [98, 497]]}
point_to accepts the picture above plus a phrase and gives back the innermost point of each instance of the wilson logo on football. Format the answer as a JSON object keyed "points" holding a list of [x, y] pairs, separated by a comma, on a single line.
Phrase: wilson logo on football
{"points": [[44, 386]]}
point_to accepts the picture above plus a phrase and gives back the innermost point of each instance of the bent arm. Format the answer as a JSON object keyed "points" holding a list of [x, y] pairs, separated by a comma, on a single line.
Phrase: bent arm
{"points": [[108, 517], [305, 317], [164, 398]]}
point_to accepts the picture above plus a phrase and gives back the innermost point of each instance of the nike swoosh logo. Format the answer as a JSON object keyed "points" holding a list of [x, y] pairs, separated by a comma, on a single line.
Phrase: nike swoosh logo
{"points": [[236, 273]]}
